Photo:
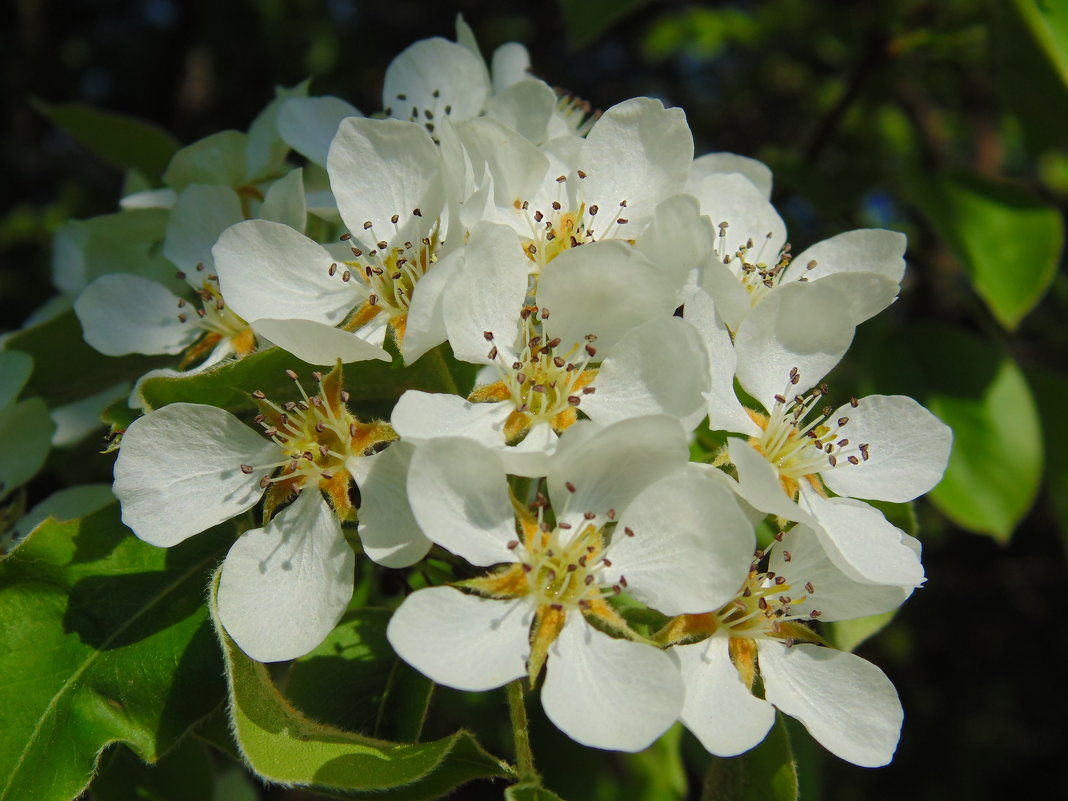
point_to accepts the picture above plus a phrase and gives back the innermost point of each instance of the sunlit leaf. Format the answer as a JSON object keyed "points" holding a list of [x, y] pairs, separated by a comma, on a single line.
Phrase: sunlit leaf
{"points": [[847, 635], [1009, 241], [282, 745], [765, 773], [106, 639], [384, 697], [121, 141]]}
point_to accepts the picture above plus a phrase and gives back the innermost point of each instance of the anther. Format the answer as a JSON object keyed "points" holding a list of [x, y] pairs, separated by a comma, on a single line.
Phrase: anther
{"points": [[258, 394], [246, 469], [809, 588], [513, 544], [291, 374], [593, 210]]}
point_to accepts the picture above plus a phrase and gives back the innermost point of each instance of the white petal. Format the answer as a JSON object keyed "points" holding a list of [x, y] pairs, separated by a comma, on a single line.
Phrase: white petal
{"points": [[611, 465], [426, 322], [425, 415], [514, 163], [487, 293], [462, 641], [122, 313], [604, 288], [864, 294], [526, 107], [756, 172], [660, 367], [382, 168], [531, 456], [388, 529], [691, 545], [179, 471], [678, 239], [459, 494], [284, 587], [269, 270], [609, 693], [846, 703], [199, 216], [867, 250], [432, 74], [862, 542], [732, 300], [806, 326], [835, 595], [758, 482], [510, 65], [318, 343], [308, 124], [285, 202], [909, 450], [725, 411], [719, 710], [733, 199], [638, 152], [26, 431]]}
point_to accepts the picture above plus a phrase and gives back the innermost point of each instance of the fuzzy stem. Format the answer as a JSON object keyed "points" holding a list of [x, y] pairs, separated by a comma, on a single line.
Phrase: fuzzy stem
{"points": [[524, 757]]}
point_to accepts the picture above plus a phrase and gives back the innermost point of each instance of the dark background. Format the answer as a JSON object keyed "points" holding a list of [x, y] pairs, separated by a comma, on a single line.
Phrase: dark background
{"points": [[843, 100]]}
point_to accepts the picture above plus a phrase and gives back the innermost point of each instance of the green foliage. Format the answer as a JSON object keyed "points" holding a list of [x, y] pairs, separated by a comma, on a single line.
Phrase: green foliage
{"points": [[980, 392], [529, 792], [1051, 389], [117, 139], [282, 745], [765, 773], [66, 369], [106, 639], [1010, 242], [587, 19], [183, 774], [373, 385], [383, 696], [847, 635]]}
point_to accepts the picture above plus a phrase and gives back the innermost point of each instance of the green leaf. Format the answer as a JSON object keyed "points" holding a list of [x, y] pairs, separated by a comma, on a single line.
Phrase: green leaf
{"points": [[658, 771], [66, 369], [531, 792], [1051, 388], [106, 639], [585, 20], [282, 745], [215, 159], [1009, 241], [183, 774], [847, 635], [1030, 46], [766, 773], [121, 141], [384, 697], [995, 466], [374, 386]]}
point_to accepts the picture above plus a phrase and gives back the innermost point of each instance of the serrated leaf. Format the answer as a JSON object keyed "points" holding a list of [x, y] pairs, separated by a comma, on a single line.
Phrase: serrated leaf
{"points": [[765, 773], [117, 139], [105, 639], [384, 697], [995, 466], [1009, 241], [585, 20], [282, 745], [66, 369], [183, 774], [374, 386]]}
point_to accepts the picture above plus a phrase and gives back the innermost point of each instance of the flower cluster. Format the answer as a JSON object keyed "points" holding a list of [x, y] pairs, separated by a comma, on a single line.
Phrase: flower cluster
{"points": [[612, 293]]}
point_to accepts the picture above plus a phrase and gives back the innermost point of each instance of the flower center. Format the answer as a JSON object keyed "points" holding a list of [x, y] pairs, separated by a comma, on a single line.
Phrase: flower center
{"points": [[798, 446], [577, 113], [750, 263], [566, 222], [216, 319], [545, 379]]}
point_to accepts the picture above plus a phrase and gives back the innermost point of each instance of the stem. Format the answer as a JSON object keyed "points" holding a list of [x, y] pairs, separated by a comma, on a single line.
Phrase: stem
{"points": [[524, 757]]}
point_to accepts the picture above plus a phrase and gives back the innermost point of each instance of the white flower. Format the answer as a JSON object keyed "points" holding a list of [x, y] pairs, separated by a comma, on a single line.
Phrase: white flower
{"points": [[387, 176], [628, 516], [605, 326], [846, 703], [186, 467]]}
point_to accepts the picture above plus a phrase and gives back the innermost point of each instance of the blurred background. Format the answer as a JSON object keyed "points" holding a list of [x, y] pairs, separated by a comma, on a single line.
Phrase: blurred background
{"points": [[947, 120]]}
